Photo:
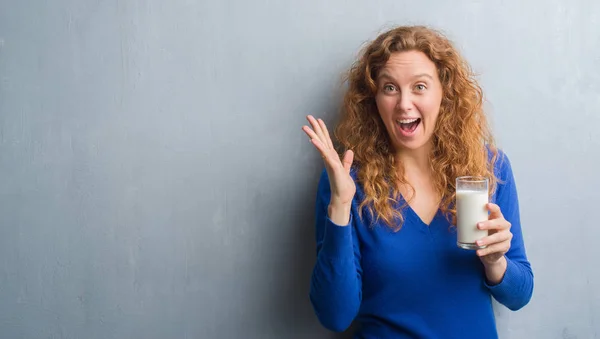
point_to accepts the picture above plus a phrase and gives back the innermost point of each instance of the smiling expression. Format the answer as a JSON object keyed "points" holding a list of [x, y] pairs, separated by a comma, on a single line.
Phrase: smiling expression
{"points": [[409, 95]]}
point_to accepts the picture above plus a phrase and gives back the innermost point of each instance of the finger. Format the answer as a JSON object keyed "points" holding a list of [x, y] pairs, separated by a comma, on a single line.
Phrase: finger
{"points": [[325, 132], [495, 238], [331, 159], [320, 147], [495, 248], [311, 134], [494, 224], [347, 160], [495, 212], [317, 128]]}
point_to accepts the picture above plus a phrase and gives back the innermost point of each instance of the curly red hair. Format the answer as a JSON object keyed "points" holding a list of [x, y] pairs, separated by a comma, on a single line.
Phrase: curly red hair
{"points": [[462, 140]]}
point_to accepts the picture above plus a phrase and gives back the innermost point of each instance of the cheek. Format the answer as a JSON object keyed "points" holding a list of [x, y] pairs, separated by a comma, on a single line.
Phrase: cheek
{"points": [[430, 109], [385, 106]]}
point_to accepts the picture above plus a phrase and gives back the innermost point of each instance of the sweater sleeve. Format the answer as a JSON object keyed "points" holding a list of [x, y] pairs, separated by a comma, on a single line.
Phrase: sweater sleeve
{"points": [[516, 287], [335, 287]]}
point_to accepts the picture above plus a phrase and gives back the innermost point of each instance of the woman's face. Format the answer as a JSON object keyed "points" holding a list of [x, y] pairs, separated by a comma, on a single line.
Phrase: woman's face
{"points": [[409, 95]]}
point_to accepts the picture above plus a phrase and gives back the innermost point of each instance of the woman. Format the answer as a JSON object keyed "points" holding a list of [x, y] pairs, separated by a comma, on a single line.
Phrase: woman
{"points": [[386, 242]]}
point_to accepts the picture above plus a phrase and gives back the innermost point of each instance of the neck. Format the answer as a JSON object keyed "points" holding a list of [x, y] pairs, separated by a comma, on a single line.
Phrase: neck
{"points": [[414, 161]]}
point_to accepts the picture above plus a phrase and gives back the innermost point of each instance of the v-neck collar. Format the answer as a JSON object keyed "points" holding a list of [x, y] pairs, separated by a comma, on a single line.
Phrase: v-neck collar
{"points": [[412, 215]]}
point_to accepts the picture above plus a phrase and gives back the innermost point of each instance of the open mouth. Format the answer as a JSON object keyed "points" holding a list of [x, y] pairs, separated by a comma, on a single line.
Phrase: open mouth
{"points": [[409, 125]]}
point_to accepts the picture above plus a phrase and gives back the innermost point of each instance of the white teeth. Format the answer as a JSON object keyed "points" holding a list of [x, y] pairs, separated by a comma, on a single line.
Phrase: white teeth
{"points": [[407, 121]]}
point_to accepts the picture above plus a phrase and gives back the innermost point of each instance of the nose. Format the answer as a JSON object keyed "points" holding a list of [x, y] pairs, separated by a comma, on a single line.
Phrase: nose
{"points": [[405, 102]]}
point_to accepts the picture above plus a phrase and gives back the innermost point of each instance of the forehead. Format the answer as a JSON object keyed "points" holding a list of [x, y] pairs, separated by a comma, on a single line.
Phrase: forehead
{"points": [[409, 63]]}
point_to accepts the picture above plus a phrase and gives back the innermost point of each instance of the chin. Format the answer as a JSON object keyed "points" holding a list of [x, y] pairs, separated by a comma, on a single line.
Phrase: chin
{"points": [[412, 145]]}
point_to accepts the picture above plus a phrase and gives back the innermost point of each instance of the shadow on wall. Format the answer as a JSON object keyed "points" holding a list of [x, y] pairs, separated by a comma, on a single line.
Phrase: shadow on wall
{"points": [[289, 311], [293, 308], [289, 303]]}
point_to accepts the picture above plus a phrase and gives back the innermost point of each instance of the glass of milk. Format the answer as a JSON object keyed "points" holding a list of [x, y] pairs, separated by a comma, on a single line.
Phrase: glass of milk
{"points": [[471, 200]]}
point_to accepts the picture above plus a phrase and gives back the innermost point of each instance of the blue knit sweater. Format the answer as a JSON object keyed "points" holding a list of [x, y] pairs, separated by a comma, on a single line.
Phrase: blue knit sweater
{"points": [[414, 283]]}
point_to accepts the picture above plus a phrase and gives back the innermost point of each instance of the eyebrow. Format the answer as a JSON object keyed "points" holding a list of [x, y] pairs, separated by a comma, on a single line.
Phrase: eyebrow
{"points": [[421, 75]]}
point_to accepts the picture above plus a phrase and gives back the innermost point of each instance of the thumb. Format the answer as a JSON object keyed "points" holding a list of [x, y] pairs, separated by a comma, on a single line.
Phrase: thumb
{"points": [[495, 212], [347, 160]]}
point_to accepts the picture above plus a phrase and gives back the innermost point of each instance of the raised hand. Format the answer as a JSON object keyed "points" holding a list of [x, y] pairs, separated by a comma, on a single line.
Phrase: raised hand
{"points": [[343, 187]]}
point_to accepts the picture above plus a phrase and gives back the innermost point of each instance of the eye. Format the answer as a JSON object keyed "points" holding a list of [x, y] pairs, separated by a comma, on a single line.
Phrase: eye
{"points": [[389, 88], [420, 87]]}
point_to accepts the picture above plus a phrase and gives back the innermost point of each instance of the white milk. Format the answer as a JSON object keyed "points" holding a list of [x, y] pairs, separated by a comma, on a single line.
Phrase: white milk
{"points": [[470, 210]]}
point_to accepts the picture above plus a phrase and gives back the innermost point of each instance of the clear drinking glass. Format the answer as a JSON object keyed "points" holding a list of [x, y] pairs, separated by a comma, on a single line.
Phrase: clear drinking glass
{"points": [[471, 200]]}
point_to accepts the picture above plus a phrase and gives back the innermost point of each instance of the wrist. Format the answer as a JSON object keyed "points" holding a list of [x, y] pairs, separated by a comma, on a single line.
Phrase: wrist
{"points": [[494, 272], [339, 213], [498, 263]]}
